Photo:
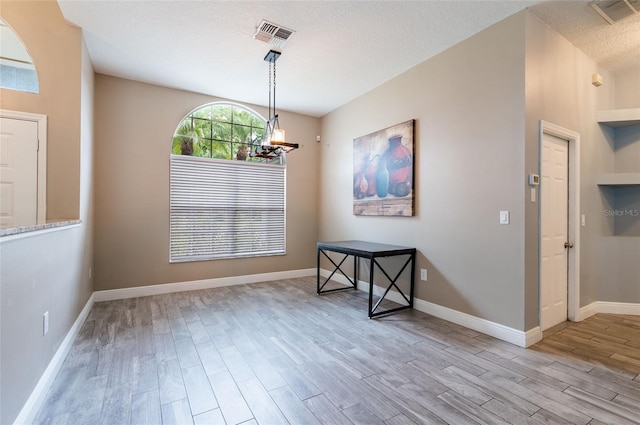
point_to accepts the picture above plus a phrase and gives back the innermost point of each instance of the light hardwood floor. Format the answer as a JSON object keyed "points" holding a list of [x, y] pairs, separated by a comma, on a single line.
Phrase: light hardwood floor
{"points": [[276, 353]]}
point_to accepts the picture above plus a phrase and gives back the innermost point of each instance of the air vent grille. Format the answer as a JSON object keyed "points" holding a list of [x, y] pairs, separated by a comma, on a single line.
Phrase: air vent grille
{"points": [[273, 34], [615, 10]]}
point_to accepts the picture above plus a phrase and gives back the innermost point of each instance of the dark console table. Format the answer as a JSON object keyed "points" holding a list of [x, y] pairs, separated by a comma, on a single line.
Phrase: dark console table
{"points": [[370, 251]]}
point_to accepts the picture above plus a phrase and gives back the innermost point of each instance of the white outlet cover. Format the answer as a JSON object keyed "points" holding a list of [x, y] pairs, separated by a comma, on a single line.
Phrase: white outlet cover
{"points": [[423, 274]]}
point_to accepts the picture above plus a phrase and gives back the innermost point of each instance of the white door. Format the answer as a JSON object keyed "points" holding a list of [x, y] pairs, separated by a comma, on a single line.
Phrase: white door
{"points": [[18, 172], [554, 206]]}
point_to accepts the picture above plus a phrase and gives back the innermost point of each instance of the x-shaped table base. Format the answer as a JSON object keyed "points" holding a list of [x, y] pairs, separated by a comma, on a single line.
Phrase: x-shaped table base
{"points": [[371, 251]]}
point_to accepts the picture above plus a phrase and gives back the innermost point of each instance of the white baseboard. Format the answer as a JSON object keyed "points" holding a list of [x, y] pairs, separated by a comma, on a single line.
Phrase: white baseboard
{"points": [[608, 307], [496, 330], [587, 311], [532, 336], [30, 409], [194, 285]]}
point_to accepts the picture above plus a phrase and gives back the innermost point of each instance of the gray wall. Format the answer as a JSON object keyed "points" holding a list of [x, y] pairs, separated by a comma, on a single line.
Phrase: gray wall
{"points": [[468, 103], [627, 149], [627, 199], [46, 272], [478, 107], [618, 269], [559, 90], [627, 88], [135, 123]]}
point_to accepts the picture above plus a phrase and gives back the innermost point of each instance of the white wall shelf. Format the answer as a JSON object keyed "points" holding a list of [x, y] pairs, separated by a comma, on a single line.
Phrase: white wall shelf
{"points": [[619, 179], [616, 118]]}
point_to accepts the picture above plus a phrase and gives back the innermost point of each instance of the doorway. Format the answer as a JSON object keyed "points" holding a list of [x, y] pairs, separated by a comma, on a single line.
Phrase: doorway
{"points": [[22, 169], [559, 235]]}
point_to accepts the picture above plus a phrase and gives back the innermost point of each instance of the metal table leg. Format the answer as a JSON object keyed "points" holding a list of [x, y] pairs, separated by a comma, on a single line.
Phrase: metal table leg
{"points": [[392, 284], [319, 289]]}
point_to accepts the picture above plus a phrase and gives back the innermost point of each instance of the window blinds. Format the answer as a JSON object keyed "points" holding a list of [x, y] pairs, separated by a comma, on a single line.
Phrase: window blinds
{"points": [[225, 209]]}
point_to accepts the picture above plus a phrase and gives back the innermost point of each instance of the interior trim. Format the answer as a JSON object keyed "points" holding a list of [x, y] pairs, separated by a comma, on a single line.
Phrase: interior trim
{"points": [[194, 285], [573, 234], [608, 307]]}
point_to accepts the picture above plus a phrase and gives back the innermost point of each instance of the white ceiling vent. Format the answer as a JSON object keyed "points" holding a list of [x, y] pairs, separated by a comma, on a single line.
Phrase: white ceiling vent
{"points": [[273, 34], [615, 10]]}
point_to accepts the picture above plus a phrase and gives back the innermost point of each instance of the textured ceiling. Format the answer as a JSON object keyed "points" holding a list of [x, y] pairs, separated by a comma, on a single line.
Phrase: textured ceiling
{"points": [[615, 47], [341, 49]]}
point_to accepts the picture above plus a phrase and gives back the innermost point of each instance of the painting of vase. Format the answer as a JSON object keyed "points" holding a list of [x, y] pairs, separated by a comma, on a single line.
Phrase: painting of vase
{"points": [[383, 172]]}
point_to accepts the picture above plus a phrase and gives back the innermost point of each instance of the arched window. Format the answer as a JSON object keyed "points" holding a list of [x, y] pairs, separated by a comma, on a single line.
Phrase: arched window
{"points": [[17, 71], [219, 130], [223, 203]]}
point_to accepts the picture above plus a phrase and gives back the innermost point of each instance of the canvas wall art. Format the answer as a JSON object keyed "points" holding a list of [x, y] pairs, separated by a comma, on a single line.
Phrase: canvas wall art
{"points": [[383, 172]]}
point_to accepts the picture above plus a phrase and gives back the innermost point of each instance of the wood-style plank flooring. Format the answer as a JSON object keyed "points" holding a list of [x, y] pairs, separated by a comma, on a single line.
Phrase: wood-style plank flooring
{"points": [[277, 353]]}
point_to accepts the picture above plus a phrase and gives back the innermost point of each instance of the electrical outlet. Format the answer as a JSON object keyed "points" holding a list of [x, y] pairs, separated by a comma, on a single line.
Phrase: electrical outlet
{"points": [[45, 323], [423, 274]]}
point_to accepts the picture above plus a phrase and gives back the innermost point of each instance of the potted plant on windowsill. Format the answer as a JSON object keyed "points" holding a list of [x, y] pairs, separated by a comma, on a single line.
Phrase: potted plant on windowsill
{"points": [[187, 134]]}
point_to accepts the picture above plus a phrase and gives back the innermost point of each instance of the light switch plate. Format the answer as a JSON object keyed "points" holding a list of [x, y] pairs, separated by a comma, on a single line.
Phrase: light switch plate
{"points": [[45, 323], [504, 217]]}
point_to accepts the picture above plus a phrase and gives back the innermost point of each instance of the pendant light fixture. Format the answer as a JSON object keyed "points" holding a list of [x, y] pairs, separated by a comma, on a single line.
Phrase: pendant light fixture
{"points": [[273, 144]]}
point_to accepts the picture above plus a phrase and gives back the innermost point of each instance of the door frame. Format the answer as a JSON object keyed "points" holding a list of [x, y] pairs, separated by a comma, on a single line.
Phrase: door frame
{"points": [[41, 121], [573, 231]]}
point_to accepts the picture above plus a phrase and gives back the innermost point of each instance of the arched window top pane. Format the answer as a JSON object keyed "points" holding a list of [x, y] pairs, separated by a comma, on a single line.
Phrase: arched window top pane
{"points": [[17, 71], [219, 130]]}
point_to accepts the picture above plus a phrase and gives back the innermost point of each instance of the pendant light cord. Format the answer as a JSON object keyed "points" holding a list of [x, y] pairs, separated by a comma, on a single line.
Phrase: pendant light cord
{"points": [[272, 92], [270, 89]]}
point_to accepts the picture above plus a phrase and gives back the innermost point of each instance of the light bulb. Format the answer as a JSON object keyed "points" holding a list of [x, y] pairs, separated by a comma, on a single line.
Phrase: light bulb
{"points": [[277, 135]]}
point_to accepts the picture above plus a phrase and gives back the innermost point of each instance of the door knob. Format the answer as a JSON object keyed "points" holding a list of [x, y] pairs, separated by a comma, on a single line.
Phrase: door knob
{"points": [[568, 245]]}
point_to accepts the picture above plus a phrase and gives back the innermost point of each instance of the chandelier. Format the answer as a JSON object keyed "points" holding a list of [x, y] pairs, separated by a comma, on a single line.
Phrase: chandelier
{"points": [[273, 144]]}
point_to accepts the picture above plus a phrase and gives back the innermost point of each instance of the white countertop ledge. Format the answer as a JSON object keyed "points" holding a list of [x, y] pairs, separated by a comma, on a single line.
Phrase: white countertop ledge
{"points": [[37, 229]]}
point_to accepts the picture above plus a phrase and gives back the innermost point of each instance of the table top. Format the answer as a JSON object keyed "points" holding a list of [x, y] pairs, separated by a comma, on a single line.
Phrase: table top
{"points": [[366, 249]]}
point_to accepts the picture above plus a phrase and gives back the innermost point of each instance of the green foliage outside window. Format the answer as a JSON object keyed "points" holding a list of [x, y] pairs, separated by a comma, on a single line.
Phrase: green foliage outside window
{"points": [[220, 131]]}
